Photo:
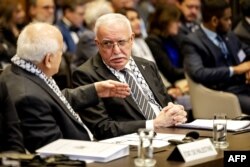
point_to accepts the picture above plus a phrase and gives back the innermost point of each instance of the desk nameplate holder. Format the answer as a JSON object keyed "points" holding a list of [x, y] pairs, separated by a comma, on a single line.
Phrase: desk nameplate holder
{"points": [[192, 151]]}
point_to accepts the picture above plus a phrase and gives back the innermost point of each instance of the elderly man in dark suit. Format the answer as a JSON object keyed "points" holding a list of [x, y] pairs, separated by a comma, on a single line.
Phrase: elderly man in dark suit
{"points": [[215, 57], [45, 112], [145, 108]]}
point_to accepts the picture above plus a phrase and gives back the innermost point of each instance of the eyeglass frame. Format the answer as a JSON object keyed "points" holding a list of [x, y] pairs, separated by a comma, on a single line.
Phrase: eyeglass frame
{"points": [[111, 44]]}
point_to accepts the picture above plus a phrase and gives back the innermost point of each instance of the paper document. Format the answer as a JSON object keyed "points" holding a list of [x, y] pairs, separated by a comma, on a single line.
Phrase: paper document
{"points": [[232, 125], [160, 140], [85, 150]]}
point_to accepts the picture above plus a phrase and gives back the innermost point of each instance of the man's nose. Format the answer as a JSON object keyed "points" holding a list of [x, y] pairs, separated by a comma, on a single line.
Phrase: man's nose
{"points": [[116, 48]]}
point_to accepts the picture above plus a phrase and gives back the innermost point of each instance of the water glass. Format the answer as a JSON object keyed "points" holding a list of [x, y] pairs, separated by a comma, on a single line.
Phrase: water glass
{"points": [[145, 148], [220, 131]]}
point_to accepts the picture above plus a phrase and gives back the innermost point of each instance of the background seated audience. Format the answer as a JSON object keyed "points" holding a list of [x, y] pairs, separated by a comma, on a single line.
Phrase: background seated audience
{"points": [[86, 46], [215, 57], [164, 27]]}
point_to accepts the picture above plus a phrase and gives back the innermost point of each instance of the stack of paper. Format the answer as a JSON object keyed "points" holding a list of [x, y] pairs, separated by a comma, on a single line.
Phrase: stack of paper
{"points": [[84, 150], [232, 125]]}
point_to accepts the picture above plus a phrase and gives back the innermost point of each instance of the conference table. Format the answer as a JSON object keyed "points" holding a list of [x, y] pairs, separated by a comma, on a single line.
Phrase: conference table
{"points": [[236, 142]]}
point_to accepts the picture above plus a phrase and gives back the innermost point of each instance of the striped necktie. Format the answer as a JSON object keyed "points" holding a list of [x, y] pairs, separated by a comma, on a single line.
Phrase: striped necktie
{"points": [[139, 97]]}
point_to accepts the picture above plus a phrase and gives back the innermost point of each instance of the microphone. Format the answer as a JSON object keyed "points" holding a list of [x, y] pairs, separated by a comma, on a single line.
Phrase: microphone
{"points": [[190, 137]]}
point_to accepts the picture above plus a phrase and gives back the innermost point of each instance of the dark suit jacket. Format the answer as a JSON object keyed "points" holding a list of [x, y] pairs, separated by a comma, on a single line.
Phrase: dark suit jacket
{"points": [[44, 117], [71, 46], [7, 46], [205, 64], [242, 30], [11, 138], [115, 116], [67, 38], [163, 62]]}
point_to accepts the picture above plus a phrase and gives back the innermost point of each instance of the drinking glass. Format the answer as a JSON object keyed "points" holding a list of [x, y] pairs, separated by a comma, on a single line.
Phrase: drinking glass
{"points": [[145, 148], [220, 131]]}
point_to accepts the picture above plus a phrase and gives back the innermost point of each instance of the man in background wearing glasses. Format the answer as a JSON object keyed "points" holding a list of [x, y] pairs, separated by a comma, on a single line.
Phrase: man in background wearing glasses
{"points": [[147, 107]]}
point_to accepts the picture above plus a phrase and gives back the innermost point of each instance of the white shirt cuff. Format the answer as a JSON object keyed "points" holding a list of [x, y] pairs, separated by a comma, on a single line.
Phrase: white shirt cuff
{"points": [[231, 71], [150, 124]]}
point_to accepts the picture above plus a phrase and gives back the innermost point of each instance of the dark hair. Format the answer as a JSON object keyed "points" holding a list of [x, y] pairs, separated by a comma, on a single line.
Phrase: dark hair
{"points": [[7, 8], [245, 7], [125, 10], [211, 8], [163, 15], [72, 4]]}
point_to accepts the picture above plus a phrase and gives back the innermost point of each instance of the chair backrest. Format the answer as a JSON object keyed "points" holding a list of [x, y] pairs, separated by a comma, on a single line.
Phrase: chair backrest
{"points": [[206, 102]]}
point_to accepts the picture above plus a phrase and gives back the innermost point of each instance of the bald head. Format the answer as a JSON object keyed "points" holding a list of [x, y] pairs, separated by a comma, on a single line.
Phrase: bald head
{"points": [[38, 39]]}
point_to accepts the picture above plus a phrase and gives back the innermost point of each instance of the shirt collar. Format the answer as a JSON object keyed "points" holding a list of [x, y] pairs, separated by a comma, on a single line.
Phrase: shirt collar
{"points": [[66, 21], [210, 34]]}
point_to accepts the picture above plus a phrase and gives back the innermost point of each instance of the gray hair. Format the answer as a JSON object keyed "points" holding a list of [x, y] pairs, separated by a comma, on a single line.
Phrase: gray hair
{"points": [[36, 40], [111, 19], [95, 9]]}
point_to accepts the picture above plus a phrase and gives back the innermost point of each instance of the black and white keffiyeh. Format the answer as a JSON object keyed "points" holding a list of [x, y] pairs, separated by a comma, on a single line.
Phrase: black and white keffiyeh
{"points": [[30, 67]]}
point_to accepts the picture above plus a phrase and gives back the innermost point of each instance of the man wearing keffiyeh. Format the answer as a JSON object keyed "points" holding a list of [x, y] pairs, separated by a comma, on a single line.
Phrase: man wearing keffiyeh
{"points": [[45, 112]]}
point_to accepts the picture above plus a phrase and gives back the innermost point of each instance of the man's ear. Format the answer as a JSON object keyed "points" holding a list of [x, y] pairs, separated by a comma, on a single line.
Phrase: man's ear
{"points": [[132, 37], [214, 21], [48, 60], [96, 42]]}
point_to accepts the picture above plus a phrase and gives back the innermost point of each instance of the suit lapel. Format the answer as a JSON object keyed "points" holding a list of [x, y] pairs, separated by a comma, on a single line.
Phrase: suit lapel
{"points": [[215, 52], [46, 88], [102, 70], [105, 73], [209, 45], [232, 50]]}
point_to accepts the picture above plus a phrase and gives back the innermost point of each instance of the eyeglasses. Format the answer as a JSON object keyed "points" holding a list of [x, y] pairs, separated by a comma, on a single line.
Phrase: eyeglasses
{"points": [[106, 44]]}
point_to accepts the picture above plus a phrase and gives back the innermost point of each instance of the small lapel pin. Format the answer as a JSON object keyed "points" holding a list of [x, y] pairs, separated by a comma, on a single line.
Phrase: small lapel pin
{"points": [[143, 67]]}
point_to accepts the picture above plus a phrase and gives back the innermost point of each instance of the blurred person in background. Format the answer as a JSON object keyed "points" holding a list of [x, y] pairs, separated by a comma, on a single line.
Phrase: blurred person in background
{"points": [[162, 41], [41, 11], [12, 20], [164, 26], [190, 10], [242, 30], [86, 46], [119, 4], [215, 57], [71, 24]]}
